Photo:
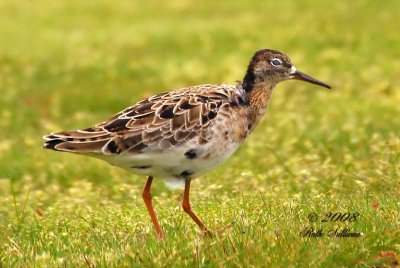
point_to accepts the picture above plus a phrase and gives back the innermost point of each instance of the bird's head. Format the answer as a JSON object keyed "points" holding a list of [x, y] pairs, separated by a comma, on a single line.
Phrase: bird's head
{"points": [[271, 67]]}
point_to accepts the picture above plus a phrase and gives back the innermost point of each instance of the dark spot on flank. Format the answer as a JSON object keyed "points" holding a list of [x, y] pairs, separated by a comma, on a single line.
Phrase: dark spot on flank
{"points": [[191, 154], [141, 167], [69, 139], [186, 173], [113, 148]]}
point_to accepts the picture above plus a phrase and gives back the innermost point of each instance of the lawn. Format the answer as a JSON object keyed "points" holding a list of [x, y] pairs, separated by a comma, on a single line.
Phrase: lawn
{"points": [[70, 64]]}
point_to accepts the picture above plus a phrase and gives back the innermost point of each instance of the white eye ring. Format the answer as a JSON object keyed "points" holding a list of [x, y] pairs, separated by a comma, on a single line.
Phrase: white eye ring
{"points": [[276, 62]]}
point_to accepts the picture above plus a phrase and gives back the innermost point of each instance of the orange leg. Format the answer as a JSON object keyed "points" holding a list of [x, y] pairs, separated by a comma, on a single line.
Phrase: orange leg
{"points": [[147, 200], [186, 207]]}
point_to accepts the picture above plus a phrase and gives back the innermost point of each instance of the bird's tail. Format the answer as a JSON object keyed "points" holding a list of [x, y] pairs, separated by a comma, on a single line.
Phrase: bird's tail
{"points": [[78, 141]]}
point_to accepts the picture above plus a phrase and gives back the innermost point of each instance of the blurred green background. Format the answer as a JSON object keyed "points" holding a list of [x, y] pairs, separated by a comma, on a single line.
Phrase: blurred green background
{"points": [[71, 64]]}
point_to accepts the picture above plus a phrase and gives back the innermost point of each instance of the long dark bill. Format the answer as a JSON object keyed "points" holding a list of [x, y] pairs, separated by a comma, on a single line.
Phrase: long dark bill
{"points": [[305, 77]]}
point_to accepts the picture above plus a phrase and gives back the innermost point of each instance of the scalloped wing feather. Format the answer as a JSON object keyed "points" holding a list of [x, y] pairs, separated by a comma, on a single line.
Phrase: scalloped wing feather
{"points": [[157, 123]]}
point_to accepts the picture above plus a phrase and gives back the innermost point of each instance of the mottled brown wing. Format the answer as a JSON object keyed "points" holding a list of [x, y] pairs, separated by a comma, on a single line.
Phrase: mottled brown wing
{"points": [[159, 122]]}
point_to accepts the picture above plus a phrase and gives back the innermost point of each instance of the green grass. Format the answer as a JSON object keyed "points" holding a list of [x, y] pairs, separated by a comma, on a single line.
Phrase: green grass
{"points": [[66, 65]]}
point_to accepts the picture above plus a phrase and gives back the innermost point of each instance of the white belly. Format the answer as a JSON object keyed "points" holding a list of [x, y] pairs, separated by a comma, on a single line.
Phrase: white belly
{"points": [[173, 165]]}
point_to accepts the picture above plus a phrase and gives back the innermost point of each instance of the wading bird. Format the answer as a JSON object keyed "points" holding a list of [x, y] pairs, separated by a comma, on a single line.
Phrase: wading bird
{"points": [[180, 134]]}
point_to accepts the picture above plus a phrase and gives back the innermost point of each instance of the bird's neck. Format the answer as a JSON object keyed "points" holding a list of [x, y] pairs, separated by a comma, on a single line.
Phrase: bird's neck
{"points": [[259, 96], [249, 80], [258, 93]]}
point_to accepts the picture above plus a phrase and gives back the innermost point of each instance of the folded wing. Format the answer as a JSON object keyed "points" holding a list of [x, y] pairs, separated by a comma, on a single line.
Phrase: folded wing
{"points": [[157, 123]]}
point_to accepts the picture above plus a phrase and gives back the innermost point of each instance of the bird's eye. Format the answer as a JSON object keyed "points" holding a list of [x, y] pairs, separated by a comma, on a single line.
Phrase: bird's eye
{"points": [[276, 62]]}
